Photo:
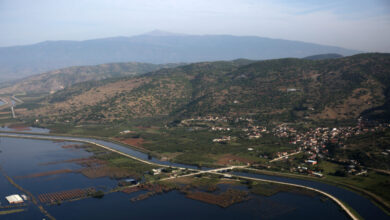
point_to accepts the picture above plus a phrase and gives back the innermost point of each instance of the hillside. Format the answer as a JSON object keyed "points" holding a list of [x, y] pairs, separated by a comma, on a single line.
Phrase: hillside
{"points": [[59, 79], [282, 90], [156, 47], [323, 56]]}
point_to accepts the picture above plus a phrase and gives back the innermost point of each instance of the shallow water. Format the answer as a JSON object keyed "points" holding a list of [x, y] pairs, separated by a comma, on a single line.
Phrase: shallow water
{"points": [[21, 157], [27, 129]]}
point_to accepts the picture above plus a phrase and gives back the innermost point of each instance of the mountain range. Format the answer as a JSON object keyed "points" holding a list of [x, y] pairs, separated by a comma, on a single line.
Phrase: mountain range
{"points": [[155, 47]]}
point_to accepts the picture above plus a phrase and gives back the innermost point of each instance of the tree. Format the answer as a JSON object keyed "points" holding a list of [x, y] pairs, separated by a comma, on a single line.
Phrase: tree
{"points": [[98, 194], [341, 173]]}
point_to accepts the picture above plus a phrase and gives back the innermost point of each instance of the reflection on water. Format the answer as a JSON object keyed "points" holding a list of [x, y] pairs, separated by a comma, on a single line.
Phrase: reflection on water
{"points": [[26, 129]]}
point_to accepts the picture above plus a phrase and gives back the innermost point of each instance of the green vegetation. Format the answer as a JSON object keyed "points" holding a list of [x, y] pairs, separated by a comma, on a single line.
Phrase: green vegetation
{"points": [[98, 194], [6, 212], [197, 147], [269, 189], [102, 130], [368, 149], [375, 182], [292, 90], [134, 168], [324, 56]]}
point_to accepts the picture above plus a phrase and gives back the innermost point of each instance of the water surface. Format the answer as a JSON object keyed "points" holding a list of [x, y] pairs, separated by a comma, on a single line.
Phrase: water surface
{"points": [[20, 157]]}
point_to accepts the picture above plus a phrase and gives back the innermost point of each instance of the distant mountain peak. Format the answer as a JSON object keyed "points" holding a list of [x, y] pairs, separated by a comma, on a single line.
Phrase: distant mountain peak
{"points": [[161, 33]]}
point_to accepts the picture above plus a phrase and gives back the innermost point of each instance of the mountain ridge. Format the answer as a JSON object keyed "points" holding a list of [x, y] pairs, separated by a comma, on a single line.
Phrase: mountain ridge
{"points": [[55, 80], [22, 61]]}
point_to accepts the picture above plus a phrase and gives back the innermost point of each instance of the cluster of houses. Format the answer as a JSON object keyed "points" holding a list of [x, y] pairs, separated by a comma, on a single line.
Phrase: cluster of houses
{"points": [[305, 170], [157, 171], [314, 141], [206, 118], [281, 154], [255, 131], [220, 128], [283, 130], [252, 131]]}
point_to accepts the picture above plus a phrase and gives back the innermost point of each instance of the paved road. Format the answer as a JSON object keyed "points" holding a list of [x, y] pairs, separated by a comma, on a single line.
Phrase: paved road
{"points": [[17, 99], [41, 137], [8, 103], [13, 112], [286, 156]]}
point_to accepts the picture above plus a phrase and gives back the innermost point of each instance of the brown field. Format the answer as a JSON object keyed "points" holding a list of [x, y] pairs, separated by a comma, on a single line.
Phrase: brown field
{"points": [[19, 127], [136, 142], [87, 162], [352, 105], [229, 159], [130, 190], [224, 199], [65, 195], [153, 190], [182, 180], [72, 146], [105, 171]]}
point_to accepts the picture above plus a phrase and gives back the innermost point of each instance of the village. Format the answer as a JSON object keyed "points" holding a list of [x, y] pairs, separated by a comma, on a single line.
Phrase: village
{"points": [[311, 142]]}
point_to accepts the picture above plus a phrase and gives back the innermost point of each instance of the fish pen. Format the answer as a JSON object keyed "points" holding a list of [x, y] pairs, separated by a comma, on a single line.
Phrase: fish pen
{"points": [[57, 197]]}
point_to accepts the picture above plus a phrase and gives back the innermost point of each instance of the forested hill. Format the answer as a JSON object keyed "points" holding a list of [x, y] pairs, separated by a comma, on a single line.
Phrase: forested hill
{"points": [[282, 89], [323, 56]]}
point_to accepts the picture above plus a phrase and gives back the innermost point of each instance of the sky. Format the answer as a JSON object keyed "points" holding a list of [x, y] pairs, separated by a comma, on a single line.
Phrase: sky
{"points": [[354, 24]]}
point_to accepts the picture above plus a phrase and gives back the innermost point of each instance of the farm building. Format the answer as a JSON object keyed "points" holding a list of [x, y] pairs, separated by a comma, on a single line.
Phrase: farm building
{"points": [[131, 181], [14, 199], [311, 162]]}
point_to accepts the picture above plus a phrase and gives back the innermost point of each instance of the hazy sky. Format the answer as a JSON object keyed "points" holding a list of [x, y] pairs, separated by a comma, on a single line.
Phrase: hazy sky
{"points": [[354, 24]]}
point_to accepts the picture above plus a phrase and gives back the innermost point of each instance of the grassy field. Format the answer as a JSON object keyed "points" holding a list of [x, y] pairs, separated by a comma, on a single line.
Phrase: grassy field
{"points": [[136, 168], [374, 182], [183, 145], [197, 146]]}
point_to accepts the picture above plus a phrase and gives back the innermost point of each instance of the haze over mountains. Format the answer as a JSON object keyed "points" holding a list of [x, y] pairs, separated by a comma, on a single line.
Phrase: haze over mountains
{"points": [[155, 47], [55, 80]]}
